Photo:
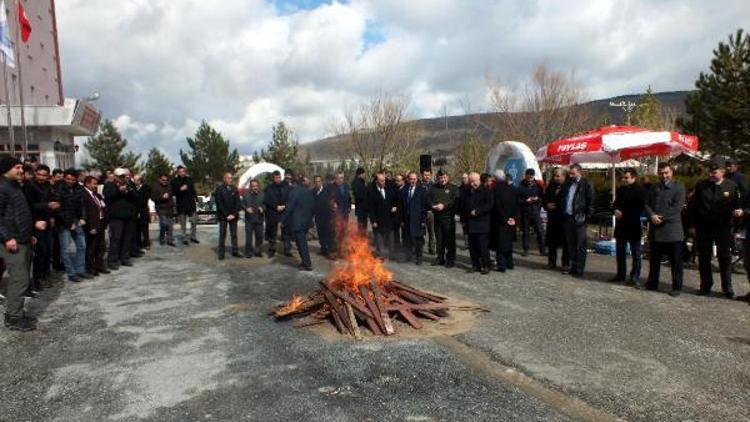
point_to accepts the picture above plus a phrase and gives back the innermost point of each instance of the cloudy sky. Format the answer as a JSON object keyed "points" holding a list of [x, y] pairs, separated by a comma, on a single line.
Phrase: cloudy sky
{"points": [[162, 66]]}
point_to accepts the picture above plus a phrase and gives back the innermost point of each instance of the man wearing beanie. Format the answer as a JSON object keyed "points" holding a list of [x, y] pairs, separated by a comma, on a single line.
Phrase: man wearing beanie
{"points": [[16, 228]]}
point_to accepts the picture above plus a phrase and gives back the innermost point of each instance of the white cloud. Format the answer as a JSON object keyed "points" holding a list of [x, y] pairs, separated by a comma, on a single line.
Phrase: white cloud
{"points": [[162, 66]]}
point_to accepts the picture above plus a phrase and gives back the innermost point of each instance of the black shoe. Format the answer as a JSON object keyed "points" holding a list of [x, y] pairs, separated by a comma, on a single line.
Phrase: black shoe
{"points": [[674, 293], [703, 292], [543, 252], [288, 254], [21, 324], [616, 279], [137, 254], [438, 262], [74, 279], [105, 271], [221, 257], [418, 261], [259, 254], [85, 276], [729, 295], [248, 255], [271, 254], [745, 298], [449, 265], [171, 244], [114, 267], [500, 269], [127, 263], [195, 240], [237, 255], [185, 242], [484, 271], [303, 267]]}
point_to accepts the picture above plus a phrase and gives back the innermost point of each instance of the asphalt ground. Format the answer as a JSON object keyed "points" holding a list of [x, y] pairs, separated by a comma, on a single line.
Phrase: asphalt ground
{"points": [[181, 336]]}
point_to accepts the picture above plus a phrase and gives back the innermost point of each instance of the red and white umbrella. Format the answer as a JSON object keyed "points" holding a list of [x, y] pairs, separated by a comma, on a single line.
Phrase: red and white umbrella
{"points": [[613, 144]]}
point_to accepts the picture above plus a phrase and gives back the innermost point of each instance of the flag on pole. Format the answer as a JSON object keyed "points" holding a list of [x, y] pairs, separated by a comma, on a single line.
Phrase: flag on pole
{"points": [[23, 23], [6, 45]]}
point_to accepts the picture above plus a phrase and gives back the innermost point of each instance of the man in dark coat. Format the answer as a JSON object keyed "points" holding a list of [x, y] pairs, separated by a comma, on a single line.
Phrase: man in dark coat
{"points": [[16, 234], [416, 203], [554, 204], [531, 193], [297, 218], [119, 195], [463, 191], [342, 197], [712, 208], [70, 226], [427, 182], [274, 199], [40, 195], [228, 206], [630, 199], [323, 215], [506, 209], [252, 203], [477, 206], [143, 219], [360, 192], [578, 194], [733, 173], [664, 204], [161, 194], [400, 237], [382, 207], [444, 200], [94, 213], [186, 198]]}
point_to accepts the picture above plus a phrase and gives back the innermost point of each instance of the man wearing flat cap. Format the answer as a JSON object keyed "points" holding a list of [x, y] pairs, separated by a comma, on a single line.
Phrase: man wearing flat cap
{"points": [[714, 205], [16, 234]]}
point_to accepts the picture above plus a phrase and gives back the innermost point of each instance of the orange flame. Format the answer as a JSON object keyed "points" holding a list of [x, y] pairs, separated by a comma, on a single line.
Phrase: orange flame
{"points": [[292, 306], [357, 266]]}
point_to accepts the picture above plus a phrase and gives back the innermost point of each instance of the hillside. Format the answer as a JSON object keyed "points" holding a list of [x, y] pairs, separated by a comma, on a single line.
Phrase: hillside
{"points": [[441, 136]]}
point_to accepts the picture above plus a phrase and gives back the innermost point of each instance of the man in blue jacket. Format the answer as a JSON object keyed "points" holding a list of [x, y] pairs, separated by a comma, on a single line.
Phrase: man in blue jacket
{"points": [[416, 203], [297, 218]]}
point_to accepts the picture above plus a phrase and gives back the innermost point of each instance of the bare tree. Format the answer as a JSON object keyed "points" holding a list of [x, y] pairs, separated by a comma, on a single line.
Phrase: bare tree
{"points": [[550, 107], [381, 134]]}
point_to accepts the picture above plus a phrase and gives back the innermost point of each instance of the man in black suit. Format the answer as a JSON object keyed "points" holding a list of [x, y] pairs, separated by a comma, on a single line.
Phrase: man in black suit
{"points": [[382, 207], [554, 203], [578, 193], [400, 238], [630, 199], [506, 208], [444, 198], [663, 207], [274, 199], [714, 205], [186, 199], [94, 213], [142, 194], [323, 215], [119, 195], [297, 218], [416, 203], [531, 206], [228, 206], [360, 192], [477, 207], [252, 203]]}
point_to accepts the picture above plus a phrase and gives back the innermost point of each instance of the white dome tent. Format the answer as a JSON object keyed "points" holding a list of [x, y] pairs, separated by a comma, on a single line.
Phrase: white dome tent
{"points": [[256, 170], [512, 158]]}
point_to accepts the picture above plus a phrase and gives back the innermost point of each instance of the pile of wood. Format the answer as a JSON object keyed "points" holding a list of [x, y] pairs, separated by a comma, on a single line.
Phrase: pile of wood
{"points": [[372, 306]]}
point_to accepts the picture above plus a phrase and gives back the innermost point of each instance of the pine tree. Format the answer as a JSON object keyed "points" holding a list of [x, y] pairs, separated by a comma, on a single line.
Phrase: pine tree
{"points": [[719, 109], [156, 165], [648, 113], [283, 150], [209, 156], [107, 150]]}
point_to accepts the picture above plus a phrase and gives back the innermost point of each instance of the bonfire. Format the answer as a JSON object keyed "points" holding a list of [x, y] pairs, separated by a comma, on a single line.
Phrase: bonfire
{"points": [[361, 291]]}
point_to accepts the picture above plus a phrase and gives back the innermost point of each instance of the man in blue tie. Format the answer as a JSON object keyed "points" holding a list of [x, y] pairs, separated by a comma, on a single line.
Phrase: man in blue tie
{"points": [[416, 203]]}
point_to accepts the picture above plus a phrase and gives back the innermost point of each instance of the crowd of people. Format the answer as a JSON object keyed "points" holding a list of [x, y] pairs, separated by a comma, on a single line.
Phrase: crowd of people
{"points": [[405, 209], [57, 220], [81, 223]]}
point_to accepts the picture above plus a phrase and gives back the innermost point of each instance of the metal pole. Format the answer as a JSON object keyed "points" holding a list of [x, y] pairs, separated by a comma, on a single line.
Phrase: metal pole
{"points": [[20, 83], [7, 101]]}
